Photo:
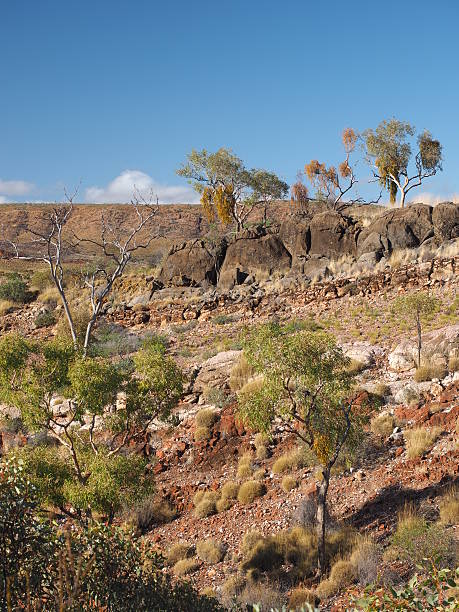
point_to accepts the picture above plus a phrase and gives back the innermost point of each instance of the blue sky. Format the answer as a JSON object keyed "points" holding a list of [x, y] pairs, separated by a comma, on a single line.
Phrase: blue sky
{"points": [[114, 92]]}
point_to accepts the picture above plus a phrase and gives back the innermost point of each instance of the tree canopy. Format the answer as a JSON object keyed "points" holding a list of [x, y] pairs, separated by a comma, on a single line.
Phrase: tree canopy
{"points": [[229, 191]]}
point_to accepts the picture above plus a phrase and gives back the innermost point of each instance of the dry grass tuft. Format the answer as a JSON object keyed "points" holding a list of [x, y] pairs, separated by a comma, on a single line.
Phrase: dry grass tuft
{"points": [[224, 504], [205, 504], [6, 306], [261, 441], [206, 418], [179, 551], [185, 567], [355, 367], [201, 433], [233, 586], [289, 483], [382, 425], [211, 551], [240, 374], [301, 596], [293, 460], [428, 371], [250, 490], [50, 295], [230, 490], [453, 363], [245, 466], [449, 508], [420, 439]]}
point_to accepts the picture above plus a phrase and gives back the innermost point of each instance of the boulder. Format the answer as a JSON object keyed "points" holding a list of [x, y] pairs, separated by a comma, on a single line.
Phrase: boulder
{"points": [[192, 263], [445, 217], [438, 344], [295, 235], [402, 228], [332, 235], [215, 371], [252, 254], [362, 352]]}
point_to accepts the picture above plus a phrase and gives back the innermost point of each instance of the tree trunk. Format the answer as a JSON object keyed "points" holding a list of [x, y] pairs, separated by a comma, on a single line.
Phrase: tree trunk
{"points": [[402, 198], [321, 519], [418, 325]]}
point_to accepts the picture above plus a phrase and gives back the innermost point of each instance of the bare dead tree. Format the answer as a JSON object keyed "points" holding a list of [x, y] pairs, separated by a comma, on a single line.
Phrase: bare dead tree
{"points": [[117, 244]]}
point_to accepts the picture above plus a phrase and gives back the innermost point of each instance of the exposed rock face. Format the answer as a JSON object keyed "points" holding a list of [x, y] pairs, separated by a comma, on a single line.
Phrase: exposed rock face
{"points": [[195, 262], [295, 234], [403, 228], [332, 235], [445, 217], [251, 254], [215, 371]]}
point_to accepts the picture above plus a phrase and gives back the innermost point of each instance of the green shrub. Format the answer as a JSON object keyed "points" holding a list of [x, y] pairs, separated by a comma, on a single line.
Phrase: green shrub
{"points": [[14, 289], [223, 319], [211, 551], [206, 418], [179, 551], [41, 279], [185, 567], [250, 490], [44, 319]]}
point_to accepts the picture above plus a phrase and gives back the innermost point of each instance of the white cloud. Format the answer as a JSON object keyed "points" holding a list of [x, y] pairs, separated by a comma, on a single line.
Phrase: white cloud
{"points": [[121, 188], [427, 197], [15, 187], [5, 200]]}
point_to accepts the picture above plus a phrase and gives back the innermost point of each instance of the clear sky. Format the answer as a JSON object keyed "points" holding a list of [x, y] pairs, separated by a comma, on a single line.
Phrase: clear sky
{"points": [[114, 92]]}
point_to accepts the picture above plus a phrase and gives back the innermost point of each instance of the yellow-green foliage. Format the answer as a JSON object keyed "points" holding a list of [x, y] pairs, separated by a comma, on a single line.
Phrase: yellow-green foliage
{"points": [[428, 371], [244, 466], [198, 497], [293, 460], [201, 433], [382, 425], [420, 439], [210, 551], [230, 490], [289, 483], [224, 504], [179, 551], [453, 363], [240, 374], [206, 418], [250, 490], [41, 279], [185, 566], [449, 508], [301, 596], [259, 474]]}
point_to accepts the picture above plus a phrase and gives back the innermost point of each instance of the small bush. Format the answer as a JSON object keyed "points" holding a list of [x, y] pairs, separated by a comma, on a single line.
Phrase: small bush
{"points": [[201, 433], [306, 513], [289, 483], [325, 589], [250, 490], [151, 512], [14, 289], [198, 497], [41, 279], [453, 364], [211, 551], [293, 460], [44, 319], [249, 540], [216, 397], [263, 595], [343, 573], [301, 596], [382, 425], [223, 319], [420, 439], [185, 567], [230, 490], [240, 374], [449, 508], [179, 551], [206, 418], [428, 371]]}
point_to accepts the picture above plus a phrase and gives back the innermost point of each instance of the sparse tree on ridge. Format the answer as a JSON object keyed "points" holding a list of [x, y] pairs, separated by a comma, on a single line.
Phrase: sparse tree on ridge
{"points": [[333, 184], [388, 148], [229, 191], [299, 192]]}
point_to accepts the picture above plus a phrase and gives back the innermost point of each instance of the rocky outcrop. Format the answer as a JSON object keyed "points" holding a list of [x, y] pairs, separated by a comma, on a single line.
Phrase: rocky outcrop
{"points": [[192, 263], [403, 228], [256, 255], [445, 217], [215, 371], [333, 235]]}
